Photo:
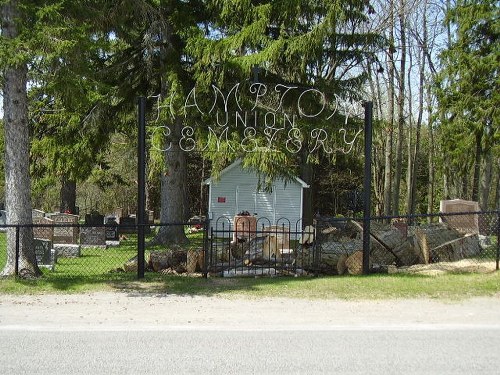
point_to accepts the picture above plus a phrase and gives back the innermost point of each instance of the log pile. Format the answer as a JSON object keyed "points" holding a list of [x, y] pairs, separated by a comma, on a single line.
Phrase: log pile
{"points": [[392, 245], [177, 260], [327, 250]]}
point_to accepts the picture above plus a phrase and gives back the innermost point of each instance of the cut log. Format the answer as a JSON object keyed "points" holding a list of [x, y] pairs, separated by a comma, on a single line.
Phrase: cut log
{"points": [[131, 265], [430, 237], [307, 237], [389, 235], [333, 251], [341, 266], [263, 248], [456, 249], [354, 263], [305, 257], [271, 248], [194, 260], [380, 252], [160, 260], [406, 254]]}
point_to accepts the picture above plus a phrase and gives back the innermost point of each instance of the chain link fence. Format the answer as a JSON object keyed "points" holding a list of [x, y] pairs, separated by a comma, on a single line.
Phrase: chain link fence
{"points": [[457, 242]]}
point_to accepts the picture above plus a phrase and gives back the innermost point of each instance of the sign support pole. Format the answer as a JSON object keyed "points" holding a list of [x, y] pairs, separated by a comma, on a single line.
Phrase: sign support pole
{"points": [[141, 182], [367, 187]]}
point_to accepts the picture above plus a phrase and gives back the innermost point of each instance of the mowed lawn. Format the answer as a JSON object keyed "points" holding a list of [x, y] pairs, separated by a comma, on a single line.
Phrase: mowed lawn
{"points": [[97, 270]]}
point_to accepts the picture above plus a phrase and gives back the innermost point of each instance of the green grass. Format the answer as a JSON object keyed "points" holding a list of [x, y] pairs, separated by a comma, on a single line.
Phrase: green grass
{"points": [[91, 273], [446, 287]]}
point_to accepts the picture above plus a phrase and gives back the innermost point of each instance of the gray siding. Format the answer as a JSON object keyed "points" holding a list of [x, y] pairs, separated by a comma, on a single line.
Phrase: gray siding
{"points": [[236, 191]]}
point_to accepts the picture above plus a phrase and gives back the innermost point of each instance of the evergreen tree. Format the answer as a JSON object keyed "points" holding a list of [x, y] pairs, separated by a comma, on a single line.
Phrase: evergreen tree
{"points": [[73, 102], [17, 139], [303, 44], [468, 91]]}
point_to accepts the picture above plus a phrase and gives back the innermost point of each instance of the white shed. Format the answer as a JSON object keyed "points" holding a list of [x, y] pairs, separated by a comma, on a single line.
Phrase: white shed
{"points": [[237, 190]]}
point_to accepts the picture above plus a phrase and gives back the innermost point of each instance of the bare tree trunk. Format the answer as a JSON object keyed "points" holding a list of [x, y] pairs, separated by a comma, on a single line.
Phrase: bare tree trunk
{"points": [[416, 160], [390, 119], [410, 156], [17, 148], [374, 83], [173, 193], [485, 181], [67, 195], [401, 116], [477, 167], [496, 204], [432, 170]]}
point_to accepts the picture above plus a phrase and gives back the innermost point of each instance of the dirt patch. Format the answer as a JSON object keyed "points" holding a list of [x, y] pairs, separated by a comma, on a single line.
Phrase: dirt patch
{"points": [[436, 269]]}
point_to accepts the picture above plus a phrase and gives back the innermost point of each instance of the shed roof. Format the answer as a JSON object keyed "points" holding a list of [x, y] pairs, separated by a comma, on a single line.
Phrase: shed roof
{"points": [[237, 163]]}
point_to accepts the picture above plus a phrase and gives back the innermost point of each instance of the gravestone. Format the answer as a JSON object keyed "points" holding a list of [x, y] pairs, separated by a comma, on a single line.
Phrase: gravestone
{"points": [[127, 225], [94, 219], [93, 237], [3, 220], [65, 234], [111, 229], [43, 233], [463, 223], [45, 254], [67, 250]]}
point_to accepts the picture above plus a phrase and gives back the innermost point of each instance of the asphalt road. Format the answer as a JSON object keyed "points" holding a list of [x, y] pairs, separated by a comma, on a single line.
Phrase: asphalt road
{"points": [[117, 333], [214, 351]]}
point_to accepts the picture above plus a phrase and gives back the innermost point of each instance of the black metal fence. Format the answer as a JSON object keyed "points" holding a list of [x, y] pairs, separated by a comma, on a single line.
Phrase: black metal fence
{"points": [[249, 246], [454, 242]]}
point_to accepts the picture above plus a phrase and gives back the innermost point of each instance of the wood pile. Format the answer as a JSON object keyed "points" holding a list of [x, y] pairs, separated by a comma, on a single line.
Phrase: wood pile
{"points": [[326, 250], [177, 260], [341, 249]]}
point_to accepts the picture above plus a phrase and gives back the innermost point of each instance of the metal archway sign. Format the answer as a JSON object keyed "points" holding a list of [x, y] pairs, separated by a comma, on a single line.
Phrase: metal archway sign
{"points": [[275, 124]]}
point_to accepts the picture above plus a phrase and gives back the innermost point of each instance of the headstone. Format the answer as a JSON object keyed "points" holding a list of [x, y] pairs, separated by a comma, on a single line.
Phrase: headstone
{"points": [[127, 225], [37, 213], [93, 237], [94, 219], [45, 255], [150, 216], [64, 250], [462, 223], [65, 234], [43, 233], [3, 220], [111, 229]]}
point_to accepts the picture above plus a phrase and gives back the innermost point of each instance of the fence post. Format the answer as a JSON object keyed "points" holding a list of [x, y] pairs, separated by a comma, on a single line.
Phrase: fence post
{"points": [[206, 228], [367, 187], [141, 186], [16, 263], [498, 241]]}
